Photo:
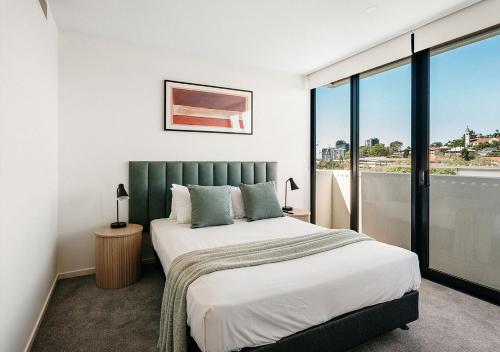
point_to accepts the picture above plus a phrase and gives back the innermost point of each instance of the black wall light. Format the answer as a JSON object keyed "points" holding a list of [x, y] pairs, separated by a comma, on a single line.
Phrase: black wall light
{"points": [[121, 194], [293, 187]]}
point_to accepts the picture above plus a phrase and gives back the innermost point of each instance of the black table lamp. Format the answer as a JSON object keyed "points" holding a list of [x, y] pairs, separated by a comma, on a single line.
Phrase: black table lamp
{"points": [[293, 187], [121, 194]]}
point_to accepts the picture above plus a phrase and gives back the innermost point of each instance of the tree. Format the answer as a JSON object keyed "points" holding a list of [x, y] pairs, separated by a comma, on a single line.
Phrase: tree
{"points": [[437, 144], [465, 154], [456, 143], [340, 143], [378, 150], [395, 146], [483, 145], [363, 150], [406, 152]]}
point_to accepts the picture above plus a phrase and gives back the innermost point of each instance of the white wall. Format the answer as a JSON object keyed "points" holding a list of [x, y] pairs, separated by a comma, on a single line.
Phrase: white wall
{"points": [[28, 167], [111, 111]]}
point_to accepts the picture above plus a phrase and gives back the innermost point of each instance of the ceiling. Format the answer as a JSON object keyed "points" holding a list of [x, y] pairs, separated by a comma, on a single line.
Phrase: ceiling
{"points": [[298, 36]]}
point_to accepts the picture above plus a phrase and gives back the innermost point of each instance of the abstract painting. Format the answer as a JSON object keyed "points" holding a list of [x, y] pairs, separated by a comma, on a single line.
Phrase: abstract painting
{"points": [[201, 108]]}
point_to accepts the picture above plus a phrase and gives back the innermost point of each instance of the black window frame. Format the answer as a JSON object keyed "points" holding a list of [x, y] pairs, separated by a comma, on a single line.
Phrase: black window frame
{"points": [[420, 173]]}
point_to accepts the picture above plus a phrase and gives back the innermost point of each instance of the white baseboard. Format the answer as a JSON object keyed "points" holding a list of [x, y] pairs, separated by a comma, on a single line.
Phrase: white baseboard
{"points": [[75, 273], [90, 271], [40, 316]]}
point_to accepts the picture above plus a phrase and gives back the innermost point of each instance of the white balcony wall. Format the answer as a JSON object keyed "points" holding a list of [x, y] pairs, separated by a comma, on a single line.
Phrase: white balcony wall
{"points": [[324, 198], [464, 217], [465, 227], [478, 171], [333, 198], [341, 199], [385, 207]]}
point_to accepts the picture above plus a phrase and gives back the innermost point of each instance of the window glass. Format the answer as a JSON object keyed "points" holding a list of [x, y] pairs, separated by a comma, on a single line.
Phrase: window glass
{"points": [[385, 155], [464, 235], [332, 155]]}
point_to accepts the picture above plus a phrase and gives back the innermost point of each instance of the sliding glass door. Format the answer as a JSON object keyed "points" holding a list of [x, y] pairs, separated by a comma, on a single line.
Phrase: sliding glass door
{"points": [[332, 151], [409, 153], [384, 154], [464, 231]]}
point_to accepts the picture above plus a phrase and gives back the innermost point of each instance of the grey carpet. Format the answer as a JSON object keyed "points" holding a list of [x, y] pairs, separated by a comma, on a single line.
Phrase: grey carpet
{"points": [[81, 317]]}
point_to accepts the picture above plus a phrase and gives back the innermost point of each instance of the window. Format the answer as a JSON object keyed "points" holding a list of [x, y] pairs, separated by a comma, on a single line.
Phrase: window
{"points": [[332, 155], [384, 154], [427, 133], [464, 234]]}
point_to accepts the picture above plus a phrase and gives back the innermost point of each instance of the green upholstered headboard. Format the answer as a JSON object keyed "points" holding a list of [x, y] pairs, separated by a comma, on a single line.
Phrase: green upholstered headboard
{"points": [[150, 182]]}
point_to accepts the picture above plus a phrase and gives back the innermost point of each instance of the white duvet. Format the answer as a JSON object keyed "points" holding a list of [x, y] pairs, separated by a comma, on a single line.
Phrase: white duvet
{"points": [[232, 309]]}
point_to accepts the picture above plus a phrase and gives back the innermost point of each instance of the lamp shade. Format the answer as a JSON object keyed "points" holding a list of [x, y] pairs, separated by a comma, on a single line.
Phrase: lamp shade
{"points": [[121, 193], [293, 185]]}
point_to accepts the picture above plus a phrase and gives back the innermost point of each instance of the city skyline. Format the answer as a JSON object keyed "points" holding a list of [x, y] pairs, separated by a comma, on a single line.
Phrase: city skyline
{"points": [[385, 99], [365, 143]]}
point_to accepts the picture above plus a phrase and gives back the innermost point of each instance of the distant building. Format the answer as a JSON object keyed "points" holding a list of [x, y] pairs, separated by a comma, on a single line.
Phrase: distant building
{"points": [[341, 144], [435, 150], [473, 142], [489, 140], [331, 153], [486, 151], [455, 150], [467, 137], [370, 142]]}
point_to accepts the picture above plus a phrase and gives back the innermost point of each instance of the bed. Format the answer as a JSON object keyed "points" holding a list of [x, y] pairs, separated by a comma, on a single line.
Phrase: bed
{"points": [[330, 301]]}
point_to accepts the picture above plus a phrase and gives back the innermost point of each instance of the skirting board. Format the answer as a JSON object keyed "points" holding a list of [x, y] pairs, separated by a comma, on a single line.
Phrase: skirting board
{"points": [[75, 273], [40, 316], [90, 271]]}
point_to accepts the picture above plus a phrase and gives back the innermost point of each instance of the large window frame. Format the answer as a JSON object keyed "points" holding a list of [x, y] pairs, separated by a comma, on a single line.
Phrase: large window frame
{"points": [[420, 170]]}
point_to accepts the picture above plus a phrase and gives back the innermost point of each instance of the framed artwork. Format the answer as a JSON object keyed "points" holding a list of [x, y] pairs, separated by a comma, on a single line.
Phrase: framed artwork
{"points": [[201, 108]]}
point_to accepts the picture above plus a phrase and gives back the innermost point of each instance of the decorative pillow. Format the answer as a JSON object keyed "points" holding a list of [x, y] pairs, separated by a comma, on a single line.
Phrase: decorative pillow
{"points": [[182, 200], [211, 205], [261, 201], [237, 204]]}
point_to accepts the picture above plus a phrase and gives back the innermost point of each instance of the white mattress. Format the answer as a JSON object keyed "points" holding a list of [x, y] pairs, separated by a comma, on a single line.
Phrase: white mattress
{"points": [[246, 307]]}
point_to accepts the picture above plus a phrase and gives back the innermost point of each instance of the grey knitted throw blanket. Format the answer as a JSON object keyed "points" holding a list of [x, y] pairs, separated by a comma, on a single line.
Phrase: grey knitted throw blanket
{"points": [[188, 267]]}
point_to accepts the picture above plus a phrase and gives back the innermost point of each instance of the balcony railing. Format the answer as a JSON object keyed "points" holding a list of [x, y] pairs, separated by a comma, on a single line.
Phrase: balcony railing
{"points": [[464, 217]]}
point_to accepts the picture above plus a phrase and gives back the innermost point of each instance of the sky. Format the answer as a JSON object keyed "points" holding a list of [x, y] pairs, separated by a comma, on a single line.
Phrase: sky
{"points": [[465, 91]]}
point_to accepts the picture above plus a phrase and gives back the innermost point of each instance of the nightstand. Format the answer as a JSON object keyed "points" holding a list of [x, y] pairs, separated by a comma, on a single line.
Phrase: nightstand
{"points": [[118, 256], [300, 214]]}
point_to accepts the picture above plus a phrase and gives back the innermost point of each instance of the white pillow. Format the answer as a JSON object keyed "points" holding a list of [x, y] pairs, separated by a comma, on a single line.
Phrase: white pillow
{"points": [[237, 205], [173, 208], [182, 200], [231, 211]]}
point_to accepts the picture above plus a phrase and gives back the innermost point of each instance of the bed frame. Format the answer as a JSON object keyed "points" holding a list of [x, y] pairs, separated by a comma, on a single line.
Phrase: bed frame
{"points": [[150, 198]]}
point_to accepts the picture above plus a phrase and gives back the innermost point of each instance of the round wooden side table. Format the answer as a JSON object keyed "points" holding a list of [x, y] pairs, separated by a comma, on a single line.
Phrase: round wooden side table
{"points": [[118, 256], [300, 214]]}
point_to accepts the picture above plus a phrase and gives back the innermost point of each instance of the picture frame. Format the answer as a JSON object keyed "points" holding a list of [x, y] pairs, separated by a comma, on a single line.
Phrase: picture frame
{"points": [[192, 107]]}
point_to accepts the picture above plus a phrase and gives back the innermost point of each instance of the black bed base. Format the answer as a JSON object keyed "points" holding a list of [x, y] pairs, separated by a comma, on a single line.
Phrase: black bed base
{"points": [[343, 332]]}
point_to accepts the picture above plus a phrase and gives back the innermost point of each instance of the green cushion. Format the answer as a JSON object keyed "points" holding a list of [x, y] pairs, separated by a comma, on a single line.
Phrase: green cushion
{"points": [[261, 201], [210, 206]]}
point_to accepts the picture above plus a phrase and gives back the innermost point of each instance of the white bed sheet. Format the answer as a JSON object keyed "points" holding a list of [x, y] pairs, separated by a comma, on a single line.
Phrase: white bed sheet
{"points": [[246, 307]]}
